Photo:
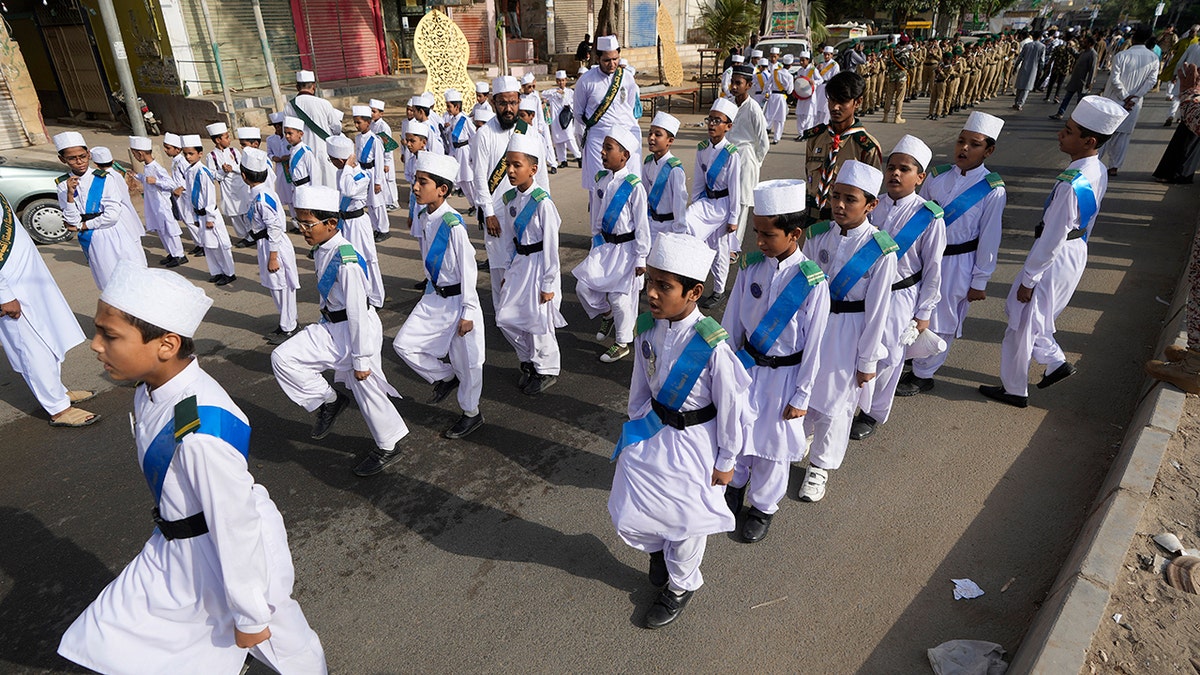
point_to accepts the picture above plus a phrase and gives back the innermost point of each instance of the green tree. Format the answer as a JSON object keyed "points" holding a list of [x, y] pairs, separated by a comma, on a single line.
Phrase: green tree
{"points": [[729, 23]]}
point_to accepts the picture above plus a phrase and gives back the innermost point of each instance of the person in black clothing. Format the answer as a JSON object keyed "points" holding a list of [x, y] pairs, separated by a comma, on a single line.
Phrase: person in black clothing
{"points": [[583, 52], [728, 63]]}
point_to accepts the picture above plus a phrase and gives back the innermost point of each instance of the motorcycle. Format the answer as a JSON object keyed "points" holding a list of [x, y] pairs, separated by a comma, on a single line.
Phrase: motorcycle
{"points": [[153, 127]]}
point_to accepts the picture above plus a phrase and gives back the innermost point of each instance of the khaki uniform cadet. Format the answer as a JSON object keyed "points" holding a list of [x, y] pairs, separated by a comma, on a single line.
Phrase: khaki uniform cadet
{"points": [[898, 67], [880, 78], [827, 151], [937, 91], [867, 70], [348, 340], [930, 64]]}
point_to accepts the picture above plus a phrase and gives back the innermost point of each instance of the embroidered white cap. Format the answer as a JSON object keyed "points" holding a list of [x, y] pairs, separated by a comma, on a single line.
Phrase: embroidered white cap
{"points": [[303, 76], [625, 138], [827, 49], [788, 59], [775, 197], [101, 155], [191, 141], [452, 96], [1099, 114], [528, 144], [339, 147], [860, 175], [773, 50], [983, 123], [756, 53], [482, 87], [276, 117], [68, 139], [216, 129], [483, 115], [607, 43], [560, 74], [738, 58], [725, 107], [505, 84], [681, 254], [140, 143], [172, 139], [290, 122], [377, 104], [249, 134], [161, 298], [914, 147], [805, 54], [667, 122], [764, 62], [427, 99], [317, 198], [528, 78], [417, 128], [254, 159], [360, 111], [437, 164]]}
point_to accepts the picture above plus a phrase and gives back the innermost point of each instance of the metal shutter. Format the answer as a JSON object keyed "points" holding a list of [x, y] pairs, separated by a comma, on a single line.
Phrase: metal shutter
{"points": [[643, 23], [12, 132], [570, 24], [341, 39], [473, 22], [237, 39]]}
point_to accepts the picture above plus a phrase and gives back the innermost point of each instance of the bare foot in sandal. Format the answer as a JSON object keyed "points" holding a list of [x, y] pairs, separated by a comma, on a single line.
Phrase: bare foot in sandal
{"points": [[79, 396], [74, 417]]}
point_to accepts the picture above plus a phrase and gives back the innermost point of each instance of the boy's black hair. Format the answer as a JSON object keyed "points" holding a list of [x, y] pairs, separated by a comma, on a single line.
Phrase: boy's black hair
{"points": [[788, 222], [440, 182], [106, 165], [254, 176], [688, 283], [325, 215], [148, 331], [846, 86], [1085, 132]]}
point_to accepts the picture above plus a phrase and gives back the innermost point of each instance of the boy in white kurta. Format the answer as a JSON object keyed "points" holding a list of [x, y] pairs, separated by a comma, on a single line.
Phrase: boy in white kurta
{"points": [[717, 190], [859, 260], [805, 84], [749, 135], [368, 151], [202, 197], [662, 171], [447, 321], [609, 278], [348, 339], [383, 131], [1055, 263], [561, 100], [223, 161], [173, 147], [301, 159], [776, 317], [776, 109], [687, 404], [276, 255], [459, 132], [157, 187], [215, 578], [280, 154], [354, 186], [130, 219]]}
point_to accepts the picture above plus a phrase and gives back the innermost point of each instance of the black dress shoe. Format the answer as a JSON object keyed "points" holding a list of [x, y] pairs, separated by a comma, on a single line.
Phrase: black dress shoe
{"points": [[997, 393], [562, 164], [375, 461], [283, 336], [215, 278], [226, 279], [911, 385], [658, 570], [711, 301], [420, 285], [527, 372], [166, 260], [176, 262], [862, 427], [326, 414], [464, 426], [538, 383], [756, 526], [552, 170], [442, 389], [380, 236], [482, 265], [733, 498], [667, 607], [199, 250], [246, 243], [1060, 373]]}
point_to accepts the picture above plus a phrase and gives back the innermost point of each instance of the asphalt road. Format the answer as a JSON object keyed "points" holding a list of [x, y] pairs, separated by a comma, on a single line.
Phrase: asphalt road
{"points": [[496, 553]]}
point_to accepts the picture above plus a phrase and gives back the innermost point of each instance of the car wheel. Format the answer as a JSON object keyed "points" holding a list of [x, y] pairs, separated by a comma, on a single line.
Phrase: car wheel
{"points": [[44, 221]]}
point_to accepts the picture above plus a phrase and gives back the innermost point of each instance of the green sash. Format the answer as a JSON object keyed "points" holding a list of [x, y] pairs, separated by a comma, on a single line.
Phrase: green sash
{"points": [[322, 133], [607, 101], [8, 231], [389, 143]]}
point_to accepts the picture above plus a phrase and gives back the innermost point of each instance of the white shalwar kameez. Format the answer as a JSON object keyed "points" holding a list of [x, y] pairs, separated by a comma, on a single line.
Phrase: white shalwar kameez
{"points": [[355, 344], [606, 280], [280, 153], [826, 71], [430, 333], [129, 215], [354, 185], [772, 442], [708, 216], [564, 137], [590, 90], [1052, 269], [776, 109], [460, 130], [110, 239], [853, 341], [662, 495], [214, 238], [182, 202], [323, 114], [391, 189], [808, 109], [268, 226], [672, 205], [749, 134], [963, 272], [174, 607], [368, 149], [157, 199], [235, 194], [1134, 74], [924, 257]]}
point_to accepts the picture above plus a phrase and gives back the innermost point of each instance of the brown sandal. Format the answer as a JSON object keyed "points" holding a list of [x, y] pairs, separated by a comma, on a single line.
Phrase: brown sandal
{"points": [[74, 417], [80, 396]]}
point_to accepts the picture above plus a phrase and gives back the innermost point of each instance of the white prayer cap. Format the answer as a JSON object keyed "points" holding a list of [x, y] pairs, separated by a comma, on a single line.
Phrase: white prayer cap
{"points": [[738, 58], [483, 115], [763, 62], [530, 103], [338, 116], [787, 59], [316, 198], [1095, 113], [625, 138], [623, 62], [276, 117], [254, 159], [414, 102], [191, 141], [249, 134], [560, 74], [827, 49], [983, 123], [426, 100], [528, 144], [528, 78], [140, 143], [290, 122], [172, 139], [481, 87], [161, 298], [607, 43], [339, 147], [681, 254], [776, 197], [581, 71], [756, 53], [69, 139], [667, 122], [725, 107], [505, 84], [101, 155], [377, 104], [860, 175], [805, 54], [417, 128], [216, 129], [437, 164], [303, 76], [452, 96], [360, 111], [915, 148], [773, 50]]}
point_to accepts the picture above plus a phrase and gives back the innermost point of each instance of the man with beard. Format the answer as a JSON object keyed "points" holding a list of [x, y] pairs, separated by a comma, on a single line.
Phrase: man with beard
{"points": [[604, 99], [320, 122]]}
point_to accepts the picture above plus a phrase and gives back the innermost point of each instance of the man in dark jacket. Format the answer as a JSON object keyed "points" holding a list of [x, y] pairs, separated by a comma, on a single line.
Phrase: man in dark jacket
{"points": [[1080, 82]]}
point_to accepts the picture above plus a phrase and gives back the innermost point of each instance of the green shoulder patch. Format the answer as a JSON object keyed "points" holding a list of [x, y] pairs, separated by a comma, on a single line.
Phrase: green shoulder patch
{"points": [[633, 180], [812, 271], [347, 254], [600, 174], [937, 210], [814, 132], [886, 243], [674, 162], [510, 195], [702, 145], [649, 158], [187, 417], [539, 194], [99, 173], [995, 180], [866, 141], [644, 322], [1068, 175], [817, 229], [751, 258], [730, 148], [940, 169], [711, 331], [62, 179], [450, 219]]}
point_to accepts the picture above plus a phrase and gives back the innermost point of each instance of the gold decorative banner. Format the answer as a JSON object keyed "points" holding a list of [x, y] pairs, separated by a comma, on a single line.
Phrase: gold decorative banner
{"points": [[444, 50]]}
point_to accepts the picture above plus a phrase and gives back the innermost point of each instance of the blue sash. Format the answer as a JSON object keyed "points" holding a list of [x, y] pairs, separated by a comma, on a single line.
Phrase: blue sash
{"points": [[437, 248], [458, 127], [91, 205], [714, 171], [857, 266], [212, 421], [329, 276], [615, 207], [780, 313], [660, 183], [915, 227], [368, 148], [1084, 196], [522, 221], [966, 201], [262, 197], [203, 171], [85, 241], [296, 159]]}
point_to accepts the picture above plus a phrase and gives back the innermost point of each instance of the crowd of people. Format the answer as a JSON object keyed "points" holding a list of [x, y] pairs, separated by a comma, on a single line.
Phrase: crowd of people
{"points": [[871, 260]]}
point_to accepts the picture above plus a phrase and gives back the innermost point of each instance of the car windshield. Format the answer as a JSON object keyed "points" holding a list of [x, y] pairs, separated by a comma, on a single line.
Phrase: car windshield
{"points": [[793, 47]]}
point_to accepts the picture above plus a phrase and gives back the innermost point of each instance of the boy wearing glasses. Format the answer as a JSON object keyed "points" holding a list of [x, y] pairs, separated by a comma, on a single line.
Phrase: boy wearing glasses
{"points": [[716, 186]]}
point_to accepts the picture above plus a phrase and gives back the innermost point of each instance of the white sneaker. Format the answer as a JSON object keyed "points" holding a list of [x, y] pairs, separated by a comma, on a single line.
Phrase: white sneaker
{"points": [[813, 489]]}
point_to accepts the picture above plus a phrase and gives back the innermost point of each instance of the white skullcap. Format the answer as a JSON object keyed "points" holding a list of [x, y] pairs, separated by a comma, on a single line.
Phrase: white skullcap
{"points": [[681, 254], [763, 62], [505, 84], [254, 159], [1099, 114], [666, 121], [805, 54], [377, 104], [528, 78], [483, 115], [69, 139], [427, 99], [360, 111], [528, 144], [338, 116], [776, 197], [216, 129], [316, 198], [607, 43], [303, 76], [249, 134], [339, 147], [191, 141], [101, 155], [625, 138], [626, 65], [437, 164], [414, 102], [738, 58], [560, 74], [860, 175], [290, 122], [623, 62], [172, 139], [581, 71], [827, 49], [276, 118], [161, 298], [773, 50], [481, 87], [983, 123], [140, 143], [530, 103], [452, 96], [417, 128], [915, 148], [756, 53], [725, 107], [787, 59]]}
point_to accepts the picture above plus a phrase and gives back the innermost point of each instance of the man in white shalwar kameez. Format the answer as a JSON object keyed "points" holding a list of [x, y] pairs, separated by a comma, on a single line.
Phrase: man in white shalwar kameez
{"points": [[320, 121], [1134, 74], [602, 103]]}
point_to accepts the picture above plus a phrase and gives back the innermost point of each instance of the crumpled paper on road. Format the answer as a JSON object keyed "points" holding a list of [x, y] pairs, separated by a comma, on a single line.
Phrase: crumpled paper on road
{"points": [[965, 589], [923, 345], [967, 657]]}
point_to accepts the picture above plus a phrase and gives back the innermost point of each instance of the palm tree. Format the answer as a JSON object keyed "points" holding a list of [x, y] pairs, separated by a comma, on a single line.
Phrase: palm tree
{"points": [[729, 23]]}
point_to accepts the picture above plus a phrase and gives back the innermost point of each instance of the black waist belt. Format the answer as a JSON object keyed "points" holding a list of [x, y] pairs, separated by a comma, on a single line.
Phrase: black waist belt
{"points": [[367, 165], [256, 236], [186, 528], [175, 209], [683, 420], [618, 238], [847, 306], [907, 282], [89, 216], [959, 249], [715, 194], [201, 212], [448, 291], [335, 315], [349, 215], [460, 144], [528, 249], [1073, 234], [773, 361], [661, 217], [302, 181]]}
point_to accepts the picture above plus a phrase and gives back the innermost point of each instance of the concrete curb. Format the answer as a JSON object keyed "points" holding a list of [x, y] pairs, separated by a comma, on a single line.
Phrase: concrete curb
{"points": [[1058, 639]]}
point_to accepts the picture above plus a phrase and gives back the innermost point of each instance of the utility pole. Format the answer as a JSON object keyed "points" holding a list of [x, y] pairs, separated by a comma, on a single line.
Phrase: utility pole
{"points": [[272, 76], [216, 50], [112, 30]]}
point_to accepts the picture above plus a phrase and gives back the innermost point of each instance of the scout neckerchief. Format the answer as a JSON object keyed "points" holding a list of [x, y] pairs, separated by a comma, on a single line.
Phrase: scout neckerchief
{"points": [[828, 168], [294, 161], [308, 122], [878, 246], [8, 231], [605, 103], [368, 150], [189, 418], [501, 168], [521, 223], [437, 248], [679, 382], [915, 226], [970, 197], [1084, 196], [714, 170], [613, 213], [345, 255], [790, 299], [661, 180]]}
